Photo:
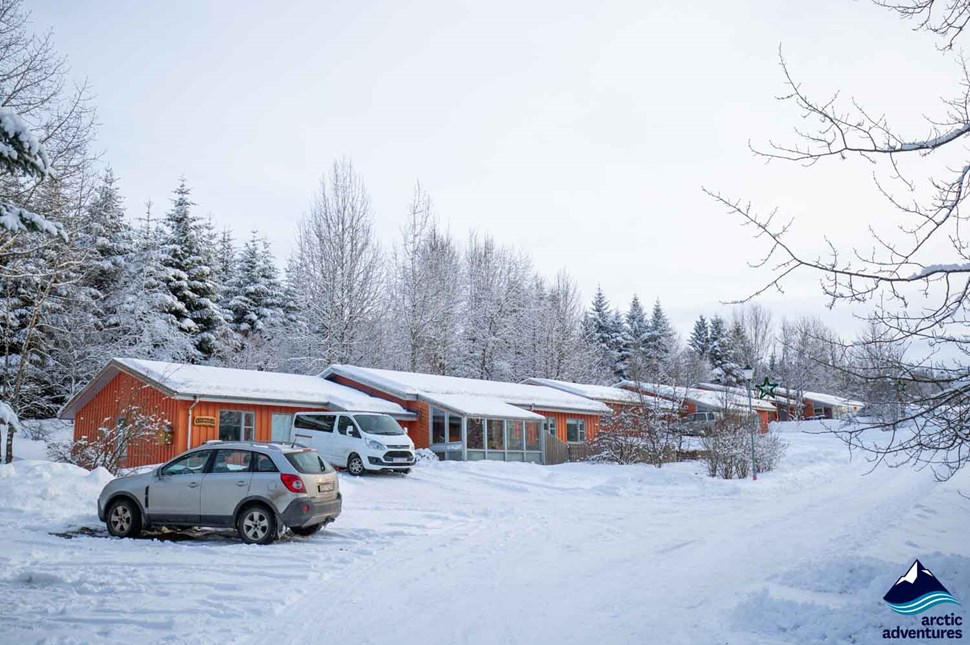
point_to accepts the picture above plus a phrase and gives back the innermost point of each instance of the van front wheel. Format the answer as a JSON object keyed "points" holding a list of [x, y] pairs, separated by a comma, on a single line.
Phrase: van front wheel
{"points": [[355, 465]]}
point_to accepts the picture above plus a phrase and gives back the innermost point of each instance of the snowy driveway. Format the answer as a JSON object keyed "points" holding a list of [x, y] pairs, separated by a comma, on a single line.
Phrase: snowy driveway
{"points": [[502, 553]]}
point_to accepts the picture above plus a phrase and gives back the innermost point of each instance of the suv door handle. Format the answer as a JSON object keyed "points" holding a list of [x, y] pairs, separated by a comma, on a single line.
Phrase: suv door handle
{"points": [[194, 485], [241, 483]]}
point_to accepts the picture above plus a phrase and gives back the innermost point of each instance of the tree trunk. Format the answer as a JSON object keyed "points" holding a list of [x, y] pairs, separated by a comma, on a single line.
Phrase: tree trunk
{"points": [[8, 450]]}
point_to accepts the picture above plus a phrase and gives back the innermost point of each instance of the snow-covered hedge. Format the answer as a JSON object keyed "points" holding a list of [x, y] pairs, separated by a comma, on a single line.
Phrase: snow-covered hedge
{"points": [[727, 449]]}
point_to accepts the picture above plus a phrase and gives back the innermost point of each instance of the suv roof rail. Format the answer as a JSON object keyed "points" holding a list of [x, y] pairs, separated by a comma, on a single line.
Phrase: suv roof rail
{"points": [[215, 441]]}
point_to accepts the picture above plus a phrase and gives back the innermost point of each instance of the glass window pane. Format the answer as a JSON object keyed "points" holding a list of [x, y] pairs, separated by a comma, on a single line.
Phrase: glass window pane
{"points": [[575, 430], [264, 464], [188, 465], [321, 423], [345, 425], [551, 425], [515, 439], [475, 430], [496, 434], [231, 461], [532, 436], [281, 424], [249, 426], [230, 425], [437, 426], [454, 428]]}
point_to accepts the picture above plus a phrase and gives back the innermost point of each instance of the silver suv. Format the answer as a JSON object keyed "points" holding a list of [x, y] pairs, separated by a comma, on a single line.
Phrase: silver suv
{"points": [[256, 487]]}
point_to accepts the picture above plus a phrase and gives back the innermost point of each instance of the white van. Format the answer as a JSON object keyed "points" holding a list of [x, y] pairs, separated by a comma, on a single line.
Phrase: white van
{"points": [[358, 441]]}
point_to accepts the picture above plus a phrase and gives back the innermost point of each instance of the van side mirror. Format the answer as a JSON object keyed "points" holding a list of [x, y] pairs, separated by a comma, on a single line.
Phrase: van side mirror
{"points": [[354, 433]]}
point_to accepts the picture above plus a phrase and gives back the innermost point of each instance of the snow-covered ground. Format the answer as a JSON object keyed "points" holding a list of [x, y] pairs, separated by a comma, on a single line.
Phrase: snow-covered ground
{"points": [[492, 553]]}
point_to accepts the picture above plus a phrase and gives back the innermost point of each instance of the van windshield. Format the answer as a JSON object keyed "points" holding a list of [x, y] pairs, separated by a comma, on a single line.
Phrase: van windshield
{"points": [[378, 424]]}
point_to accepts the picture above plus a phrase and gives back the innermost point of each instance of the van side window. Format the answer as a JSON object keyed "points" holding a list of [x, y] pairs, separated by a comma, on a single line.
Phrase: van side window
{"points": [[318, 423], [345, 426]]}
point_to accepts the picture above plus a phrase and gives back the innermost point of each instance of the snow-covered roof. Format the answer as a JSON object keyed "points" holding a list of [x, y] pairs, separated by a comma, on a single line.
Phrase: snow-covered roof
{"points": [[697, 396], [432, 387], [740, 394], [831, 399], [604, 393], [483, 406], [180, 380]]}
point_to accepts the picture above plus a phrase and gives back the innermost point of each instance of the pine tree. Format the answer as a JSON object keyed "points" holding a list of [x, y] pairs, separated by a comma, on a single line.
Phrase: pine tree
{"points": [[606, 336], [636, 339], [148, 316], [257, 304], [700, 341], [107, 238], [661, 343], [189, 276]]}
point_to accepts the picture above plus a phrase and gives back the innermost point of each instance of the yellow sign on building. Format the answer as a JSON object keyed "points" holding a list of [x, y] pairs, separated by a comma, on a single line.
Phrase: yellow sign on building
{"points": [[205, 421]]}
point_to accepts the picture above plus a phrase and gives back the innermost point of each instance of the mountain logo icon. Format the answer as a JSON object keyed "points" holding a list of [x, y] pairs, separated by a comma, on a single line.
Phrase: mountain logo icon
{"points": [[917, 591]]}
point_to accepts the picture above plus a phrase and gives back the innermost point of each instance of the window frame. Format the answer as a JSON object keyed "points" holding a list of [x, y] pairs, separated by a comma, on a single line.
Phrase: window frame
{"points": [[580, 430], [242, 424]]}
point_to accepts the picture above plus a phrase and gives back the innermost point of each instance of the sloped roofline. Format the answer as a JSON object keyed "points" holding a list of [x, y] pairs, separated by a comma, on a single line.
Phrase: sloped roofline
{"points": [[116, 366], [412, 394]]}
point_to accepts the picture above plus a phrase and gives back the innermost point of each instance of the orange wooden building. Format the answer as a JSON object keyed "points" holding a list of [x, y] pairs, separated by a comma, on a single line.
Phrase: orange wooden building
{"points": [[196, 403], [473, 419], [713, 400]]}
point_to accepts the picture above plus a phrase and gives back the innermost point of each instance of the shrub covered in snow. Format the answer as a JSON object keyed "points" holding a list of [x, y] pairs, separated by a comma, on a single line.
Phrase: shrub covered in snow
{"points": [[109, 447], [727, 448], [638, 434]]}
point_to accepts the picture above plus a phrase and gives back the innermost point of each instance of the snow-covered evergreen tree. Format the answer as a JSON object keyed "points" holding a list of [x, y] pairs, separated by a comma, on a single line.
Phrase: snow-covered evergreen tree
{"points": [[606, 336], [700, 341], [636, 341], [147, 318], [661, 344], [257, 304], [189, 276]]}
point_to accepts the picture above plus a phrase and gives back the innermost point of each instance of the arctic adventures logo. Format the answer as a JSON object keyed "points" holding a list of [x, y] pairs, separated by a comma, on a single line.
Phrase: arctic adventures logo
{"points": [[914, 593]]}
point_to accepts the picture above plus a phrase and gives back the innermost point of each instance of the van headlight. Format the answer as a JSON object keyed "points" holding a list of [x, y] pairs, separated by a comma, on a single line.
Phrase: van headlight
{"points": [[375, 445]]}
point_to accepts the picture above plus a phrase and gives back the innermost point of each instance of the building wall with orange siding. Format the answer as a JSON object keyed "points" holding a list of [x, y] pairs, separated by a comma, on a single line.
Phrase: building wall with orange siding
{"points": [[263, 417], [592, 422], [124, 391]]}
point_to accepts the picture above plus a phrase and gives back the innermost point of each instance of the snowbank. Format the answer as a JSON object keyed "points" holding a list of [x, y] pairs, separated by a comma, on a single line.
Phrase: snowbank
{"points": [[51, 494]]}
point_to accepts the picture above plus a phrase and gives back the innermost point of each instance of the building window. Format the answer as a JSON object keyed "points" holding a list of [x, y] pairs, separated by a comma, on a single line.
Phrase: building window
{"points": [[437, 426], [236, 425], [551, 425], [496, 434], [475, 434], [532, 440], [516, 438], [575, 430]]}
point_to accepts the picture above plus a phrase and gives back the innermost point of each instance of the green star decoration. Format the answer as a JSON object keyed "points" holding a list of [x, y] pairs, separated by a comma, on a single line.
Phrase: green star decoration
{"points": [[766, 389]]}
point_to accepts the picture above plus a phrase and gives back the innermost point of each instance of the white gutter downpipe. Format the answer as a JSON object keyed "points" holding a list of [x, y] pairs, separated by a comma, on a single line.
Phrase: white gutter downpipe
{"points": [[188, 435]]}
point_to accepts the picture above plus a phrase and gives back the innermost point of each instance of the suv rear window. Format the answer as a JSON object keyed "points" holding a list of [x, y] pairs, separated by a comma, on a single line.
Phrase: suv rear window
{"points": [[307, 462]]}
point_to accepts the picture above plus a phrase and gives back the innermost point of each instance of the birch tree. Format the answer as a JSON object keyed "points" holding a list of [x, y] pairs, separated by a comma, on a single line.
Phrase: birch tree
{"points": [[339, 268]]}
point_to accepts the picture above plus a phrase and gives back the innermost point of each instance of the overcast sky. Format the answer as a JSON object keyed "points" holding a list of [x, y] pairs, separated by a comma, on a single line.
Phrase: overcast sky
{"points": [[581, 132]]}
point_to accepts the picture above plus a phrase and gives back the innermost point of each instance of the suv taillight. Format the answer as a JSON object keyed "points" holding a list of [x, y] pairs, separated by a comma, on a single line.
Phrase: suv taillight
{"points": [[293, 483]]}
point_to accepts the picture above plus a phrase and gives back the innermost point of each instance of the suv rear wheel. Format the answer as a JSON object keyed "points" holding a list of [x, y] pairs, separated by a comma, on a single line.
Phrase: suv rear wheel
{"points": [[123, 518], [256, 524]]}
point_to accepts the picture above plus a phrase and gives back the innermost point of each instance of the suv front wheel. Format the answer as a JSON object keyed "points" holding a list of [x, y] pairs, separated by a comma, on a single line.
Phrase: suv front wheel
{"points": [[256, 524], [123, 519]]}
